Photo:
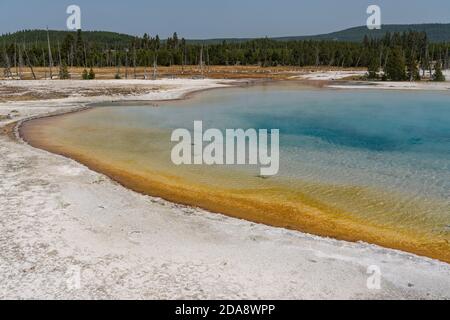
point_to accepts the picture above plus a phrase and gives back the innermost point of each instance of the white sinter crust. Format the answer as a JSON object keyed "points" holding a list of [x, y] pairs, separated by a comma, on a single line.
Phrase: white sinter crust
{"points": [[57, 218]]}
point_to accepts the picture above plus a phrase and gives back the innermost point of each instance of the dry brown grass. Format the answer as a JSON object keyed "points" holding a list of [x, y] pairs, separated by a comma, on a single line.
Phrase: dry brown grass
{"points": [[214, 72]]}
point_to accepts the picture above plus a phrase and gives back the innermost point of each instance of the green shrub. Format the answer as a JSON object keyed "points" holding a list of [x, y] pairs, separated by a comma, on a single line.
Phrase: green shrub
{"points": [[85, 75], [438, 75], [91, 75], [64, 72]]}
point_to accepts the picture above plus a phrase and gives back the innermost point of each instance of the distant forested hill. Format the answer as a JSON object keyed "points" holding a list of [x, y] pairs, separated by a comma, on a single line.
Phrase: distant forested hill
{"points": [[39, 37], [436, 32]]}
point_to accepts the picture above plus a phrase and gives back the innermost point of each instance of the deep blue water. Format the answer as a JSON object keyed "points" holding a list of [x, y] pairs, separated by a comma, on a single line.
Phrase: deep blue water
{"points": [[379, 121]]}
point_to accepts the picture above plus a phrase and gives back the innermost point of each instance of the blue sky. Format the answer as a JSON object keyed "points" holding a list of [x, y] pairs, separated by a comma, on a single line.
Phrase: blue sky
{"points": [[212, 18]]}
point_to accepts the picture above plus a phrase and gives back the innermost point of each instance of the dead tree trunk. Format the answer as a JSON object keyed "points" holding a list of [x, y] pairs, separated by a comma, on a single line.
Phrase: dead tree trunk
{"points": [[201, 60], [155, 65], [20, 64], [50, 58], [15, 59], [7, 71], [134, 62], [30, 65], [126, 63]]}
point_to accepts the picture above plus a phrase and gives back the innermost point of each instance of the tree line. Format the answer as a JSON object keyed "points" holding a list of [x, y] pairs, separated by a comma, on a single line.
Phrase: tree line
{"points": [[406, 56], [398, 56]]}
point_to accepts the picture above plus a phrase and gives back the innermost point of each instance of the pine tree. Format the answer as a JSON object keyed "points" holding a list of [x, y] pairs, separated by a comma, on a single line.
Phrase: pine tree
{"points": [[91, 75], [438, 75], [79, 49], [63, 72], [157, 42], [396, 67], [374, 66], [413, 69], [67, 47], [85, 75]]}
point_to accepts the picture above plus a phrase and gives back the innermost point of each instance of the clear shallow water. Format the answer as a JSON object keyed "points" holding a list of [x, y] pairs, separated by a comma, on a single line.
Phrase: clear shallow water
{"points": [[379, 156]]}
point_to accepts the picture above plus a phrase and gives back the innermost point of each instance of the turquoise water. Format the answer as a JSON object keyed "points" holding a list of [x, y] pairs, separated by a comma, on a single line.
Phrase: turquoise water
{"points": [[390, 139]]}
